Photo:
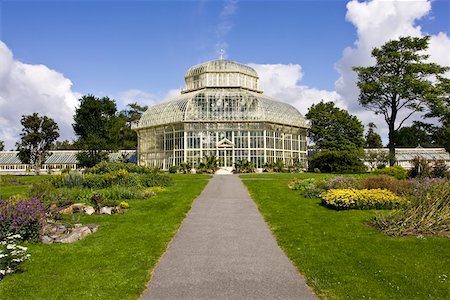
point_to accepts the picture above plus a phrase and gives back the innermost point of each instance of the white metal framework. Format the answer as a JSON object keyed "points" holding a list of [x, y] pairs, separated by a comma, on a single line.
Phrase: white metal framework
{"points": [[222, 113]]}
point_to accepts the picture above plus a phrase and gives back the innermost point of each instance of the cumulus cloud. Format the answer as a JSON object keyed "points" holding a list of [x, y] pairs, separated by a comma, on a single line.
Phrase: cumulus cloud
{"points": [[282, 82], [137, 96], [377, 22], [25, 89]]}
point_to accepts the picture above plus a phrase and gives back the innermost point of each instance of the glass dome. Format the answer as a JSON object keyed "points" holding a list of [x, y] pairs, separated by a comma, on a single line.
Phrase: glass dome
{"points": [[221, 113]]}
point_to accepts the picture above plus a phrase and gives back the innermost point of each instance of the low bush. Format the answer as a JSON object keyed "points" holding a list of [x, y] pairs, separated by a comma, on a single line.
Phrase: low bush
{"points": [[11, 254], [342, 182], [428, 214], [24, 217], [341, 199], [313, 192], [107, 167], [40, 189], [396, 171], [333, 161], [300, 184], [119, 193], [173, 169]]}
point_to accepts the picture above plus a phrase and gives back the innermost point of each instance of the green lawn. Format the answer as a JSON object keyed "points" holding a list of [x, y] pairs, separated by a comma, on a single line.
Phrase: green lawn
{"points": [[340, 256], [113, 263], [11, 185]]}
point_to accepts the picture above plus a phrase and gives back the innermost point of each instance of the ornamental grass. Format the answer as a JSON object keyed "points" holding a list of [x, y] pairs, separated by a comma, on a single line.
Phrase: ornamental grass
{"points": [[341, 199]]}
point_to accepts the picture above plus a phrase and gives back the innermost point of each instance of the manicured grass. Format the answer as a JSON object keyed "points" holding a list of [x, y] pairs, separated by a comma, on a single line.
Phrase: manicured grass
{"points": [[343, 258], [21, 184], [113, 263]]}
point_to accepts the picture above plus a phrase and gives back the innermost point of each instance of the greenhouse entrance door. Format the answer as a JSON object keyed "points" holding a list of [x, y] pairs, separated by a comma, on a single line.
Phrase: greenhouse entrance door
{"points": [[226, 157]]}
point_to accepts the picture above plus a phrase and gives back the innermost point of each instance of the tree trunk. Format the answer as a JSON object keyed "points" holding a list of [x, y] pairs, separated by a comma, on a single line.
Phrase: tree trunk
{"points": [[391, 145], [37, 166]]}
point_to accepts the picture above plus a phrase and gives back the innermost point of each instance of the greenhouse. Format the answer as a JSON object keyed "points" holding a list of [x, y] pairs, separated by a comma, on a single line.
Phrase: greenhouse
{"points": [[221, 113]]}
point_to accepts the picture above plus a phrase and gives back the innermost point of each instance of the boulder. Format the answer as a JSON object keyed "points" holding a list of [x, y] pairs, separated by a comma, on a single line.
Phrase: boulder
{"points": [[106, 210], [70, 238], [45, 239], [67, 210], [89, 210]]}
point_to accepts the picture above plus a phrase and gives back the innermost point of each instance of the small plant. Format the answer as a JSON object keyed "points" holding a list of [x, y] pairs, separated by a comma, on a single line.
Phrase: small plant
{"points": [[300, 184], [173, 169], [244, 166], [313, 192], [185, 167], [97, 199], [124, 205], [11, 254], [341, 199], [396, 171], [24, 217], [342, 182]]}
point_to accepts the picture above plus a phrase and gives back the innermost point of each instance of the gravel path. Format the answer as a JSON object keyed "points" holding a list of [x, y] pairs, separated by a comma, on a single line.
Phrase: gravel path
{"points": [[225, 250]]}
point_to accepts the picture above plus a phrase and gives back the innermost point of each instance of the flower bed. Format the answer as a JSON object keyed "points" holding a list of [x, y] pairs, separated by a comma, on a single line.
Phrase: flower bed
{"points": [[341, 199]]}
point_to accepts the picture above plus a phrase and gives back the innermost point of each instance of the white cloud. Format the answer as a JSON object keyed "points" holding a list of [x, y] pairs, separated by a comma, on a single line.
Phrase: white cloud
{"points": [[224, 26], [377, 22], [282, 82], [25, 89], [140, 97]]}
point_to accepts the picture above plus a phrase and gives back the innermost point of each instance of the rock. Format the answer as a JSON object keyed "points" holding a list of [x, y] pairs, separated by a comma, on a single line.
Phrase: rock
{"points": [[106, 210], [45, 239], [84, 231], [67, 210], [70, 238], [77, 225], [78, 207], [89, 210], [93, 227]]}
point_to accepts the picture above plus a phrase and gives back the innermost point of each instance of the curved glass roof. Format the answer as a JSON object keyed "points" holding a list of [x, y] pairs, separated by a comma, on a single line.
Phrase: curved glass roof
{"points": [[221, 91], [215, 105], [221, 66]]}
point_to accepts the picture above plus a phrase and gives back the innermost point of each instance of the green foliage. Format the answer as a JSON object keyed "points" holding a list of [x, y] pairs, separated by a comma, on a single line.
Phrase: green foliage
{"points": [[173, 169], [106, 167], [376, 158], [396, 171], [297, 184], [97, 126], [2, 145], [373, 139], [128, 137], [421, 168], [209, 165], [42, 188], [38, 134], [401, 83], [334, 161], [185, 167], [334, 128], [11, 254], [90, 158], [244, 166], [413, 136], [429, 214]]}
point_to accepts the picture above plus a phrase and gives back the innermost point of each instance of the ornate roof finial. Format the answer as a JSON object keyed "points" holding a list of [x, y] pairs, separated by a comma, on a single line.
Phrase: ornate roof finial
{"points": [[222, 53]]}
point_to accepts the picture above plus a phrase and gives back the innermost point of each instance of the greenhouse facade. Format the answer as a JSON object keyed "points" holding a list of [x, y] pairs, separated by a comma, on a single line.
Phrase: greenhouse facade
{"points": [[221, 113]]}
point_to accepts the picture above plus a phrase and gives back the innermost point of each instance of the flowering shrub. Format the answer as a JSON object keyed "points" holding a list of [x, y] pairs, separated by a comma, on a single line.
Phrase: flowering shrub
{"points": [[300, 184], [342, 182], [24, 217], [340, 199], [11, 254], [124, 205]]}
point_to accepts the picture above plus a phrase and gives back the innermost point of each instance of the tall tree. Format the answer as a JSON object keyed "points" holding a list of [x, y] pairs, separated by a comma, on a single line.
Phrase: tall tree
{"points": [[128, 137], [419, 134], [373, 139], [400, 84], [334, 128], [38, 134], [97, 126], [441, 109]]}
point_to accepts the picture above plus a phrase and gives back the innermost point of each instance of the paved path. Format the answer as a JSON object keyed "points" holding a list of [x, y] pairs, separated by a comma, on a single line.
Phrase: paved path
{"points": [[225, 250]]}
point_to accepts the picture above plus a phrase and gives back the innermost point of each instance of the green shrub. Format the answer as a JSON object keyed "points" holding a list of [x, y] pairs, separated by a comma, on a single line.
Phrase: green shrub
{"points": [[428, 214], [300, 184], [120, 193], [185, 167], [313, 192], [421, 169], [440, 170], [396, 171], [107, 167], [156, 179], [173, 169], [41, 189], [341, 199], [124, 205], [334, 161]]}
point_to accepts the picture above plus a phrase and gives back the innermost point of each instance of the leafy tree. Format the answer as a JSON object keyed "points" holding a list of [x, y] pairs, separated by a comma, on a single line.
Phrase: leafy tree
{"points": [[373, 139], [334, 128], [64, 145], [97, 126], [441, 109], [400, 84], [2, 145], [337, 161], [413, 136], [128, 139], [38, 134]]}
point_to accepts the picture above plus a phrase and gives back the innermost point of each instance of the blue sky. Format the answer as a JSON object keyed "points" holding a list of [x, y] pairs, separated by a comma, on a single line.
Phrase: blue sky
{"points": [[142, 49]]}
